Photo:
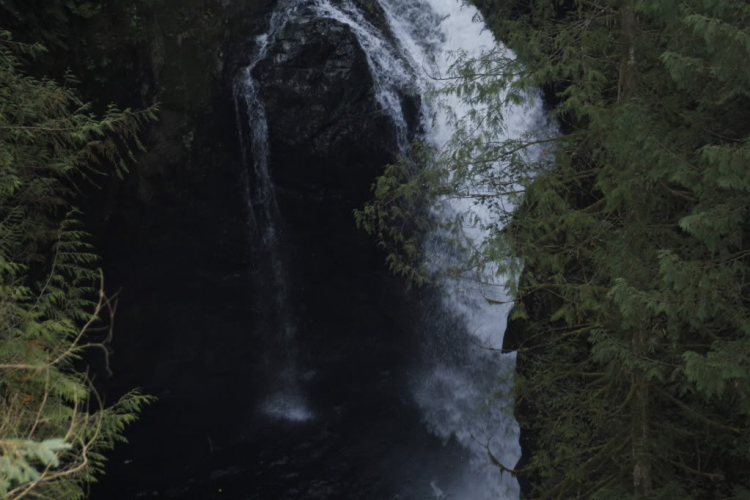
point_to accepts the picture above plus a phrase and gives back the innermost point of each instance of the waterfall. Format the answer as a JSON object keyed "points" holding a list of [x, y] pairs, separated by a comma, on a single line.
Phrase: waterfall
{"points": [[286, 402], [461, 386]]}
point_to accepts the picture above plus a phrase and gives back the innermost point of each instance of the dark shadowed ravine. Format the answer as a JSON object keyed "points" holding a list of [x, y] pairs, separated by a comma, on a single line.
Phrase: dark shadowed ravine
{"points": [[288, 362]]}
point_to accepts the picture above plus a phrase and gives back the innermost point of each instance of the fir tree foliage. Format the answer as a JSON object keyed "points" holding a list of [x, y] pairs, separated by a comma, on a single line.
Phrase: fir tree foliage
{"points": [[634, 358], [53, 428]]}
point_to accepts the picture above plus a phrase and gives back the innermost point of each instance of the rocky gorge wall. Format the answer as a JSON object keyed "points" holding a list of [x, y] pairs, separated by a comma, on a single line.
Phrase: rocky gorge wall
{"points": [[195, 322]]}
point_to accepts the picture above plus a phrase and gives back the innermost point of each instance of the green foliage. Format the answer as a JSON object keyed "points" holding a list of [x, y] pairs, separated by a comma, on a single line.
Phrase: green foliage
{"points": [[633, 303], [18, 455], [56, 23], [52, 426]]}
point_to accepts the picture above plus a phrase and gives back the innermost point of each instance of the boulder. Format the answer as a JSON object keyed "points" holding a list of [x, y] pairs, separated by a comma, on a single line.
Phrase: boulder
{"points": [[326, 128]]}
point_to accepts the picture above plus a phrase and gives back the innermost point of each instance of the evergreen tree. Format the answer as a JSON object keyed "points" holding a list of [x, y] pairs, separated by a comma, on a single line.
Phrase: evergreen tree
{"points": [[634, 361], [52, 426]]}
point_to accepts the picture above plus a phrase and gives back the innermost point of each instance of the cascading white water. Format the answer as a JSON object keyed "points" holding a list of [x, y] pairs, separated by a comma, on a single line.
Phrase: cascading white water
{"points": [[287, 401], [461, 389]]}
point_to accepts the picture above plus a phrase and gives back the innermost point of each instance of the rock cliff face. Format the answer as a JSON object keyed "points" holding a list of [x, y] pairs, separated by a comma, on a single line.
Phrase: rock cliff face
{"points": [[317, 87], [327, 136], [193, 326], [325, 126]]}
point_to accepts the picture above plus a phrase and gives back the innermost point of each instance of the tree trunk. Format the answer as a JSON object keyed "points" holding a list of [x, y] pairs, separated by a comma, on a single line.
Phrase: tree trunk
{"points": [[627, 36], [640, 432]]}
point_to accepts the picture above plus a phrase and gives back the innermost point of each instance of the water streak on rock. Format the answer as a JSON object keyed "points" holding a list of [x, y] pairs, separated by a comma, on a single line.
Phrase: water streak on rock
{"points": [[286, 401]]}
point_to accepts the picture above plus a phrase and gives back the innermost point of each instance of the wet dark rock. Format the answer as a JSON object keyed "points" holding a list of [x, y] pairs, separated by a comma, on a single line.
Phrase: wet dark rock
{"points": [[316, 85], [191, 329], [326, 129], [521, 337]]}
